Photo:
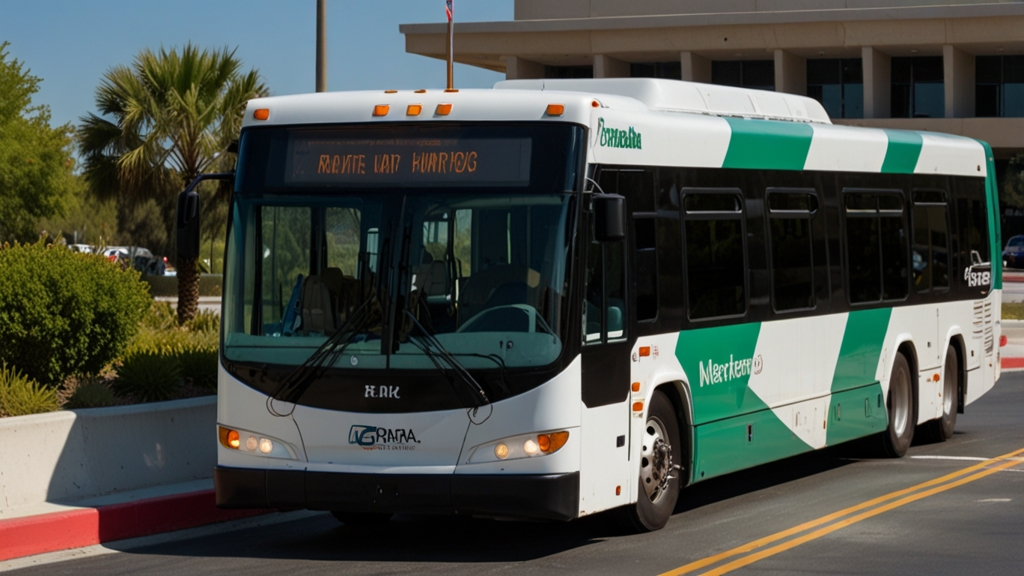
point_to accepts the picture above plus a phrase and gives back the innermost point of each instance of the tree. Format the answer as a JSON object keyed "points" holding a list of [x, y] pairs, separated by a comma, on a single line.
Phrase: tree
{"points": [[35, 164], [166, 119]]}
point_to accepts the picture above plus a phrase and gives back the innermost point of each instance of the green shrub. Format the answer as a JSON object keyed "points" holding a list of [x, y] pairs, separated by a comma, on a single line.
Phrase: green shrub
{"points": [[200, 365], [205, 321], [92, 394], [63, 312], [148, 376], [161, 316], [20, 396]]}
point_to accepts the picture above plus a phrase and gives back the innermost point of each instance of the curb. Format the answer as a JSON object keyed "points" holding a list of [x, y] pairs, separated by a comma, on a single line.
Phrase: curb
{"points": [[1012, 363], [32, 535], [1013, 277]]}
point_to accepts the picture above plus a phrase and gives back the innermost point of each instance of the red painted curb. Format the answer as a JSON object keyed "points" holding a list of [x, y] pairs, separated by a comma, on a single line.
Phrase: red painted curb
{"points": [[1013, 362], [31, 535]]}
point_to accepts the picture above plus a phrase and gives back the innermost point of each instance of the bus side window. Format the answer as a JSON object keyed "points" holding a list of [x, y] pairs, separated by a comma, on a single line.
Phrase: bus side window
{"points": [[605, 289], [930, 244], [790, 217], [715, 245], [646, 259], [876, 245]]}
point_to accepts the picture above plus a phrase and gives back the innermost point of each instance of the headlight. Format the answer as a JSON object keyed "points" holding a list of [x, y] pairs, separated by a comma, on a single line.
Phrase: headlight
{"points": [[522, 446], [253, 443]]}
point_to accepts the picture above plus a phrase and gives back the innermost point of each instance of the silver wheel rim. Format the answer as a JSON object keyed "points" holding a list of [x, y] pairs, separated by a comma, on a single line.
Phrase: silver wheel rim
{"points": [[948, 390], [655, 460], [899, 410]]}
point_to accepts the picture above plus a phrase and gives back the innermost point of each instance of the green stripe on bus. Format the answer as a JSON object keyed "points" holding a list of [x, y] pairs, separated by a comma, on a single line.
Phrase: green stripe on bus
{"points": [[768, 145], [995, 232], [718, 363], [742, 442], [903, 151], [861, 349], [855, 414]]}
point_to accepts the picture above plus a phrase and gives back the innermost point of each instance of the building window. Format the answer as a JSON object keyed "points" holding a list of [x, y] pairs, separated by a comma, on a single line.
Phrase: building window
{"points": [[756, 74], [999, 86], [838, 83], [568, 71], [669, 70], [918, 89]]}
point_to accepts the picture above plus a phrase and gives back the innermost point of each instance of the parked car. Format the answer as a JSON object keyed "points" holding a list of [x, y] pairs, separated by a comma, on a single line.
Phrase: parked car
{"points": [[137, 257], [1013, 254]]}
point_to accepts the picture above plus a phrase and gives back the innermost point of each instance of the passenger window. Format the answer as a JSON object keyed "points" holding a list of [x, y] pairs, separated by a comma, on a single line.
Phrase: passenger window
{"points": [[790, 214], [646, 269], [930, 252], [876, 246], [604, 315], [715, 253]]}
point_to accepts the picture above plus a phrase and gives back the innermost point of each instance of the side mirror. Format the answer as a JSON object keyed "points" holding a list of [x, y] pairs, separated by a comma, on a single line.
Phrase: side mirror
{"points": [[188, 224], [609, 217]]}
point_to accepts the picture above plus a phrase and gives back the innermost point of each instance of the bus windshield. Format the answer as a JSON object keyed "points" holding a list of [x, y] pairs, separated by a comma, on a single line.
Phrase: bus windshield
{"points": [[386, 274]]}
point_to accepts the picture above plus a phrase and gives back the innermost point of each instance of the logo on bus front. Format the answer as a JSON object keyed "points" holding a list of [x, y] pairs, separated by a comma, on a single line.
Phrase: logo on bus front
{"points": [[379, 438], [615, 138]]}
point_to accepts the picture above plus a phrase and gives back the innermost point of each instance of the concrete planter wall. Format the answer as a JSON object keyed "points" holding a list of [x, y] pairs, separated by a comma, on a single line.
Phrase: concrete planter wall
{"points": [[75, 454]]}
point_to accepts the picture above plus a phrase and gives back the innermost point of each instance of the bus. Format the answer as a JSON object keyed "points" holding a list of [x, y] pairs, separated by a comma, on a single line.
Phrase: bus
{"points": [[562, 297]]}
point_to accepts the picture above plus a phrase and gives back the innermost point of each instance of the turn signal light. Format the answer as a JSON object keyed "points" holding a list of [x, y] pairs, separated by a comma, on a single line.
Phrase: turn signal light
{"points": [[635, 387], [548, 443], [638, 406], [444, 109], [645, 351], [556, 109], [261, 113], [381, 110], [229, 438], [414, 110]]}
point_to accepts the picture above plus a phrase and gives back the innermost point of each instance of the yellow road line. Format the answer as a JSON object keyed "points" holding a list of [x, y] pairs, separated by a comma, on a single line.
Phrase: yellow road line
{"points": [[754, 545]]}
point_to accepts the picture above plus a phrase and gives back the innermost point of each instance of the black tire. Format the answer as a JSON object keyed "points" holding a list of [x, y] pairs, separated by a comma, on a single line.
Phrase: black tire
{"points": [[362, 518], [661, 454], [941, 429], [902, 410]]}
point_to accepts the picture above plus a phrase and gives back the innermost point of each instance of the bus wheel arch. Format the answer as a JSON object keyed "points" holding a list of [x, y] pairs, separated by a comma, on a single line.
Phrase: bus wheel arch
{"points": [[679, 394], [659, 477]]}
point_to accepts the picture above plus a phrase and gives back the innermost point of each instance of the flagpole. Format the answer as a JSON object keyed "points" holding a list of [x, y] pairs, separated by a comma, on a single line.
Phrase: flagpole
{"points": [[451, 45]]}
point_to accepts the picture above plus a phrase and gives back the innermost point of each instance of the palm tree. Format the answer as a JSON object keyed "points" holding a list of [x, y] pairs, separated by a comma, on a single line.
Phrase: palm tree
{"points": [[167, 118]]}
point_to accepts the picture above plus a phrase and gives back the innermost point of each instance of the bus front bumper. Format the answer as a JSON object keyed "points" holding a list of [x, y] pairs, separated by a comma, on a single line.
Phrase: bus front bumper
{"points": [[534, 496]]}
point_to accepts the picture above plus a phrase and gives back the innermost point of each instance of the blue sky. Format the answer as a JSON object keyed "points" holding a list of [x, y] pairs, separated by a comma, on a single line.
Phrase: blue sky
{"points": [[71, 43]]}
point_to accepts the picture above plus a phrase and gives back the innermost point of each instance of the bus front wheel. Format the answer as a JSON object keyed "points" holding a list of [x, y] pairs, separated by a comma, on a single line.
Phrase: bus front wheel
{"points": [[660, 460], [902, 416]]}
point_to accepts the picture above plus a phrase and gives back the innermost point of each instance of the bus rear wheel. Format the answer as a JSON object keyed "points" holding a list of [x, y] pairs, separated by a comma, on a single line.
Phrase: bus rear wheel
{"points": [[902, 414], [660, 459], [941, 429]]}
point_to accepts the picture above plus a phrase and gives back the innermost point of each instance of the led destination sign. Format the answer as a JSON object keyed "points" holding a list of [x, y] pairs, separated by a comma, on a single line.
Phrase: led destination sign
{"points": [[319, 159]]}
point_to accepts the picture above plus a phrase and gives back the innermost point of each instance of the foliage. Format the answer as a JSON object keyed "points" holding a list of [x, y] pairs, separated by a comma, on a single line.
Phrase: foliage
{"points": [[35, 165], [192, 349], [83, 220], [199, 365], [64, 313], [1013, 311], [148, 376], [169, 117], [20, 396], [92, 394]]}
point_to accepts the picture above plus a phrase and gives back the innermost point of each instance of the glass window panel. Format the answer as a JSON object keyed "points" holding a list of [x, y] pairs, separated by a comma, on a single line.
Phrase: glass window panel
{"points": [[832, 100], [901, 100], [715, 268], [792, 266], [1013, 101], [790, 201], [929, 196], [853, 72], [920, 250], [823, 71], [853, 101], [711, 203], [894, 258], [595, 293], [343, 226], [286, 261], [759, 74], [901, 70], [988, 69], [638, 187], [887, 202], [726, 73], [641, 70], [929, 100], [938, 226], [863, 260], [928, 69], [1013, 69], [986, 100], [646, 269], [615, 289], [568, 71], [861, 202]]}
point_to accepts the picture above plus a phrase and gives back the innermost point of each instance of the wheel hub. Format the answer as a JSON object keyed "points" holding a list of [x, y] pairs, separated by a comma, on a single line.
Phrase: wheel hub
{"points": [[656, 464]]}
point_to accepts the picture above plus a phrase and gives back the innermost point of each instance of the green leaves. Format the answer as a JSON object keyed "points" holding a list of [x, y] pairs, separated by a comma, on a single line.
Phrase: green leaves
{"points": [[21, 396], [35, 166]]}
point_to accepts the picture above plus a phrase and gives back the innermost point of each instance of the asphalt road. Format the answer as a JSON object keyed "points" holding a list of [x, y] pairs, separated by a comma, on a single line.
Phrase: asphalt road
{"points": [[967, 518]]}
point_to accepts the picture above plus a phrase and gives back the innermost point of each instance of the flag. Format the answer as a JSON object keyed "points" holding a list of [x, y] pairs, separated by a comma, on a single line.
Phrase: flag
{"points": [[449, 9]]}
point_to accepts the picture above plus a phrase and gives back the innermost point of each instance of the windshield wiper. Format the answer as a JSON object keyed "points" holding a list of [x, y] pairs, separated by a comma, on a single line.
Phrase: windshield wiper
{"points": [[299, 380], [436, 352]]}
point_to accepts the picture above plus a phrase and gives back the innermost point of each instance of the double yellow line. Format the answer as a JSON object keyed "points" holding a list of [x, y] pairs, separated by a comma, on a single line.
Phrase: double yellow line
{"points": [[754, 551]]}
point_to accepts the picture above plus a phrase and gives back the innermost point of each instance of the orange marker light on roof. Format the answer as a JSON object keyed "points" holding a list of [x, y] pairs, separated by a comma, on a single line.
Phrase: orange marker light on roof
{"points": [[444, 109], [391, 91], [381, 110], [556, 109], [595, 104], [261, 113], [420, 91], [414, 110]]}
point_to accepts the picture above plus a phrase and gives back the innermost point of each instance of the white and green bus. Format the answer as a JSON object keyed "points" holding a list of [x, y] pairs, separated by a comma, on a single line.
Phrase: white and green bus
{"points": [[560, 297]]}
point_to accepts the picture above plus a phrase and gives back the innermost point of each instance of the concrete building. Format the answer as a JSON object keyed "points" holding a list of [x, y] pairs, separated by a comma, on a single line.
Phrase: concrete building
{"points": [[954, 66]]}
